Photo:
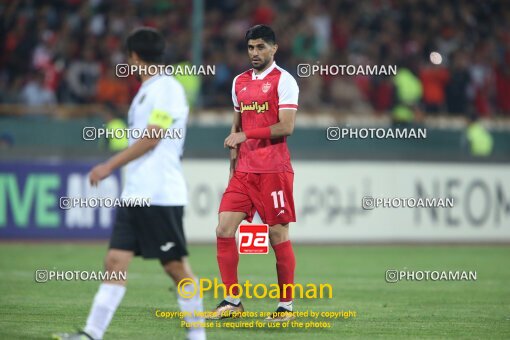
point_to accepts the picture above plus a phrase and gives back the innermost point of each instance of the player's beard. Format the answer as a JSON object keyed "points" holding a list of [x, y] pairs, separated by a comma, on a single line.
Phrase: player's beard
{"points": [[261, 66]]}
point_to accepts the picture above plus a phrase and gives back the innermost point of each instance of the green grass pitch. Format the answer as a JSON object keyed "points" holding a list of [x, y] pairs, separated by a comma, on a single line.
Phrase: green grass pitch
{"points": [[434, 310]]}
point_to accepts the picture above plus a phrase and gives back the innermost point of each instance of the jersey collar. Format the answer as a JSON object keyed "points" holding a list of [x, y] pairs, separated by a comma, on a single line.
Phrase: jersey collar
{"points": [[151, 80], [263, 74]]}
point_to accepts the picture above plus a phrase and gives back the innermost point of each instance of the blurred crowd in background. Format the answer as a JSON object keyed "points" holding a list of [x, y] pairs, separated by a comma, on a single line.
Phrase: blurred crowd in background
{"points": [[65, 51]]}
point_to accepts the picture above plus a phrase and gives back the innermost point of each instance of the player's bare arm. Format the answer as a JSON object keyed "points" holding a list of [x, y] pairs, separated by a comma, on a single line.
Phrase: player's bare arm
{"points": [[142, 146], [236, 126], [285, 127]]}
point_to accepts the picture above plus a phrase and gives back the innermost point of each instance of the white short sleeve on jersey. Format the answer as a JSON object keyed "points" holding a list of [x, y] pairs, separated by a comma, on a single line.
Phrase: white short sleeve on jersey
{"points": [[288, 91], [234, 96]]}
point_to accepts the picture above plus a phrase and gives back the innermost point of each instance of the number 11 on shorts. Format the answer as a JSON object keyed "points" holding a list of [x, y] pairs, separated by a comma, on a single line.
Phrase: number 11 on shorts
{"points": [[278, 195]]}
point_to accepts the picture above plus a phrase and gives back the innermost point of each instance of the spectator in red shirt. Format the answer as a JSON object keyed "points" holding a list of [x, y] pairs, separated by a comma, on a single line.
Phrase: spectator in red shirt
{"points": [[503, 85], [434, 79]]}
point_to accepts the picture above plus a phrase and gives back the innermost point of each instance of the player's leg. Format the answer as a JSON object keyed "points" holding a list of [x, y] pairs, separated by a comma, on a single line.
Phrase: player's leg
{"points": [[164, 239], [107, 299], [189, 303], [109, 294], [178, 269], [275, 204], [285, 268], [235, 206], [228, 261], [226, 249], [123, 246]]}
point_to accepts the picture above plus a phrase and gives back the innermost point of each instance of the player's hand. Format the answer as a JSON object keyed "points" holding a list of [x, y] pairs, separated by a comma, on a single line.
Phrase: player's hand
{"points": [[234, 139], [99, 172]]}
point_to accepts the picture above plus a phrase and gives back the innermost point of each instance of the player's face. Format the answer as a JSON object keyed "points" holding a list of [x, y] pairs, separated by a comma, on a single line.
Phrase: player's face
{"points": [[261, 53]]}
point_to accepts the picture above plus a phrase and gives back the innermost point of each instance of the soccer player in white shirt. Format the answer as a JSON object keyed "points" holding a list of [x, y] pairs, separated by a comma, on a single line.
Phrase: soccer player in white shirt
{"points": [[154, 172]]}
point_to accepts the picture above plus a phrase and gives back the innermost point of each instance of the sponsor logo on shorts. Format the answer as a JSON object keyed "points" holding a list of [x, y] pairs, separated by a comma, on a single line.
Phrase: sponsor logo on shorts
{"points": [[167, 246]]}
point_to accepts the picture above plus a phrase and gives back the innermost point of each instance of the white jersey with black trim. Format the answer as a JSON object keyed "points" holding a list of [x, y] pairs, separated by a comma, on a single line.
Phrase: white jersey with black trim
{"points": [[158, 173]]}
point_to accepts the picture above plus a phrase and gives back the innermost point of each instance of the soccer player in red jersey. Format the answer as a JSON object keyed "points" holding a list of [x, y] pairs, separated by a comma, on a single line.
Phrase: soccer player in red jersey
{"points": [[261, 177]]}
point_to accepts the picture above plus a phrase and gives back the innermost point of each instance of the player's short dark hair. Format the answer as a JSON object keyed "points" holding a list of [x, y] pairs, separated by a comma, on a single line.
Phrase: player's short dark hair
{"points": [[148, 43], [261, 32]]}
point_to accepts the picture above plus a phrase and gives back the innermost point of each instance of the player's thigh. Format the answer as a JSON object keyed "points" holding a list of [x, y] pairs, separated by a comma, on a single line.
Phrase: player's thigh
{"points": [[228, 222], [278, 233], [236, 205]]}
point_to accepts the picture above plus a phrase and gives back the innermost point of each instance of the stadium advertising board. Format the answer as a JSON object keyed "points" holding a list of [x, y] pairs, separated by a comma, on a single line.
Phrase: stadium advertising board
{"points": [[328, 198], [30, 195]]}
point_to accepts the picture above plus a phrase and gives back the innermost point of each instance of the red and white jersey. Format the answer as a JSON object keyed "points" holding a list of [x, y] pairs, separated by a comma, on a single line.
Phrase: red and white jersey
{"points": [[259, 97]]}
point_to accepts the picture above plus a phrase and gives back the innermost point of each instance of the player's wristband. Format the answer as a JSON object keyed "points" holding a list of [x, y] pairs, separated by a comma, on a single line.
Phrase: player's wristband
{"points": [[258, 133]]}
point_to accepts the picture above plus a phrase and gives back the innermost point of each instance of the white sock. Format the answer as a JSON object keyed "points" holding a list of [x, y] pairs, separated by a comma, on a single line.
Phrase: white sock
{"points": [[233, 300], [106, 301], [192, 305], [287, 305]]}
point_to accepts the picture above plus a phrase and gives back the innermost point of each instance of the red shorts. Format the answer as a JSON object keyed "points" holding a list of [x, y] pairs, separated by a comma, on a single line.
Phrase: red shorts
{"points": [[268, 194]]}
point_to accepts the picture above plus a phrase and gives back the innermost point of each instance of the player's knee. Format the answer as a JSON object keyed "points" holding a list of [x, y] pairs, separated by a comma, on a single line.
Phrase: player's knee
{"points": [[224, 230], [278, 235], [115, 262], [228, 223]]}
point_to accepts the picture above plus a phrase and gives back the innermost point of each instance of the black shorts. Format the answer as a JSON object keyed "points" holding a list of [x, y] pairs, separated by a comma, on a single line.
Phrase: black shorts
{"points": [[153, 232]]}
